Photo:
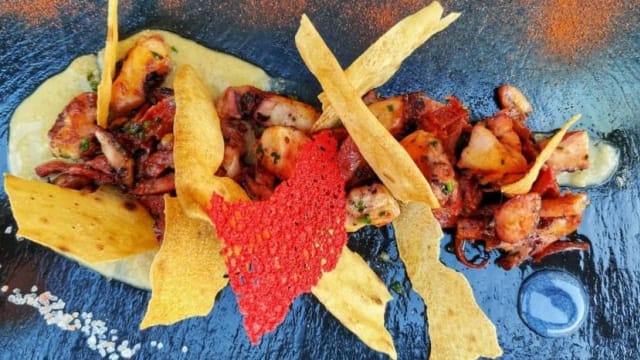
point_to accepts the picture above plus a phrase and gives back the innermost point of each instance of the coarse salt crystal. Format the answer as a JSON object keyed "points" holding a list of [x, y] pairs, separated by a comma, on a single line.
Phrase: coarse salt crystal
{"points": [[8, 229], [52, 310], [184, 349], [160, 346]]}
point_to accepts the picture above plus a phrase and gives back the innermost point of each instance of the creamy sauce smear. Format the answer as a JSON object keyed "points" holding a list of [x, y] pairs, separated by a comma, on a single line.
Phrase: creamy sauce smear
{"points": [[603, 162], [29, 143]]}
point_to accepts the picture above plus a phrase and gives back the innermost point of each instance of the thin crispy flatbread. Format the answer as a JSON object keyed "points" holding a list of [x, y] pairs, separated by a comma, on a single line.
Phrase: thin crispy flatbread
{"points": [[187, 272], [108, 65], [380, 149], [457, 326], [197, 135], [525, 183], [358, 298], [198, 147], [383, 58], [90, 227]]}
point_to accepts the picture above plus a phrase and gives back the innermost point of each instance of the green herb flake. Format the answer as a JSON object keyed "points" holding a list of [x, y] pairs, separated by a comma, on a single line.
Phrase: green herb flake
{"points": [[360, 205], [365, 219], [173, 48], [434, 143], [156, 56], [397, 288], [390, 107], [146, 124], [133, 129], [84, 144], [260, 150], [448, 187], [93, 80]]}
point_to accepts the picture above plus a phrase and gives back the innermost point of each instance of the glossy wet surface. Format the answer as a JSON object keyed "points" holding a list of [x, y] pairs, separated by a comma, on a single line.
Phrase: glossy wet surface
{"points": [[486, 47], [552, 303]]}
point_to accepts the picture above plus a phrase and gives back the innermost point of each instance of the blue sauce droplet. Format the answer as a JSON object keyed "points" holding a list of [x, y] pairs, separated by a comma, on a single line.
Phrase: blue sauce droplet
{"points": [[552, 303]]}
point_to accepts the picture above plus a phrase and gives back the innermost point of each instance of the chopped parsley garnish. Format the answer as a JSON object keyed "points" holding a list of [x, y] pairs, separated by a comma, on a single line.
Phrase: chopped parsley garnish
{"points": [[93, 80], [390, 108], [173, 48], [135, 129], [260, 150], [146, 124], [448, 187], [364, 219], [360, 205], [84, 144], [434, 143], [156, 55], [397, 288]]}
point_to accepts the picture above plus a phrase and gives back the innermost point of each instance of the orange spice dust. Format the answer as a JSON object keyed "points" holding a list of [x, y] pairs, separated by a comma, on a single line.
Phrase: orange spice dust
{"points": [[362, 20], [368, 20], [36, 12], [572, 29], [262, 13]]}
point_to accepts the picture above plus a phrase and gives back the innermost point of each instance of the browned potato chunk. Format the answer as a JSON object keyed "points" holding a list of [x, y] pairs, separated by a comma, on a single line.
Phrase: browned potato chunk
{"points": [[370, 205], [391, 113], [485, 153], [278, 149]]}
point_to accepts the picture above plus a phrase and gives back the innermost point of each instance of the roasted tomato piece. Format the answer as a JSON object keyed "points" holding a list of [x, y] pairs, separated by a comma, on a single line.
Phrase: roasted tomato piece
{"points": [[354, 168], [546, 184], [445, 121]]}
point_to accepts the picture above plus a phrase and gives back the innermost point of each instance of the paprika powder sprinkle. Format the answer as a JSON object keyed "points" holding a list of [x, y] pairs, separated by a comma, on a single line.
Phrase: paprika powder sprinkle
{"points": [[50, 12], [573, 29]]}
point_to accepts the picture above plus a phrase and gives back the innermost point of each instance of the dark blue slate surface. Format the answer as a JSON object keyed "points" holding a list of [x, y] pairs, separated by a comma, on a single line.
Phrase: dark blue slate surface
{"points": [[483, 49]]}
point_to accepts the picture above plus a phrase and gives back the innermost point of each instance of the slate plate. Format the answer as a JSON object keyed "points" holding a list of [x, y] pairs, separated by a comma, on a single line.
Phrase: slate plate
{"points": [[490, 45]]}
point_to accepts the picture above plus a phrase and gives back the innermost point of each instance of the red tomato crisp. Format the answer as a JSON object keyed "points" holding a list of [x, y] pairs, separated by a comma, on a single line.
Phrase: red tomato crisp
{"points": [[277, 249]]}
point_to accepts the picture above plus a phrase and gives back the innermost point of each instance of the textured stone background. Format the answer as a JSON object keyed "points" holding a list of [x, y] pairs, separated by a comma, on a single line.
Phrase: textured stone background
{"points": [[488, 46]]}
